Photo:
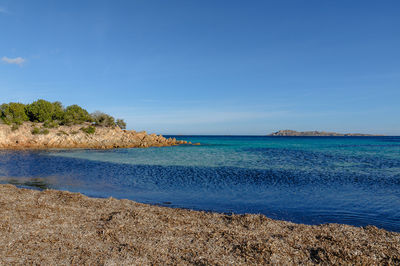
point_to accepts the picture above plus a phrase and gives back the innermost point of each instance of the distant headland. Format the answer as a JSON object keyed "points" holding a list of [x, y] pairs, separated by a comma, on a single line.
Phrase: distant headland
{"points": [[43, 125], [294, 133]]}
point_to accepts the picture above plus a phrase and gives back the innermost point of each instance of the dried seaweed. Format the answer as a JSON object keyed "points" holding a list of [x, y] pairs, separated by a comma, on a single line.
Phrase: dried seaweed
{"points": [[55, 227]]}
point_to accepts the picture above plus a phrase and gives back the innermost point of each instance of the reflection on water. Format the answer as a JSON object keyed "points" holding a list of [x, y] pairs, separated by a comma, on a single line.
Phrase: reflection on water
{"points": [[308, 180]]}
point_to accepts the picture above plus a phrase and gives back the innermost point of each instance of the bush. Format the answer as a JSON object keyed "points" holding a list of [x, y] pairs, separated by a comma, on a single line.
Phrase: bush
{"points": [[36, 131], [75, 114], [102, 119], [89, 130], [13, 113], [14, 127], [40, 111], [50, 124], [62, 132], [121, 123]]}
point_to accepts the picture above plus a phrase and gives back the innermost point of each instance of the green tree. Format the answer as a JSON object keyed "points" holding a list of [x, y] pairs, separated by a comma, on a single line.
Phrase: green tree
{"points": [[53, 114], [13, 113], [40, 111], [121, 123], [58, 111], [102, 119], [75, 114]]}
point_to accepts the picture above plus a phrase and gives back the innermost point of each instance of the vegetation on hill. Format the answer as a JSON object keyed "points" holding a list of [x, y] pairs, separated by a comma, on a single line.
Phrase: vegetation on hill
{"points": [[53, 114]]}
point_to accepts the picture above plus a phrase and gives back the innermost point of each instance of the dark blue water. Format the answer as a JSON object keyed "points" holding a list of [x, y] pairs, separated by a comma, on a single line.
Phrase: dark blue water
{"points": [[313, 180]]}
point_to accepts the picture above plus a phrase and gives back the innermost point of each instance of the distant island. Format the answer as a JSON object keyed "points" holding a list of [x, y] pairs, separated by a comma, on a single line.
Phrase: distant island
{"points": [[43, 125], [294, 133]]}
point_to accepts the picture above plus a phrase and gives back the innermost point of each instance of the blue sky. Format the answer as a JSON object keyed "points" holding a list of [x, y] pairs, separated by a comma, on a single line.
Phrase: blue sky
{"points": [[209, 67]]}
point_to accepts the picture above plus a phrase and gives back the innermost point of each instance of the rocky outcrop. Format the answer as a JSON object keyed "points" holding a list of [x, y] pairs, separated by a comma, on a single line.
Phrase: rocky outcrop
{"points": [[316, 133], [67, 137]]}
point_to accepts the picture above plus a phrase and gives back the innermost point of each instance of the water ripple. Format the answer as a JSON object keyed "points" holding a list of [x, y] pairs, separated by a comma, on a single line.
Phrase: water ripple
{"points": [[345, 180]]}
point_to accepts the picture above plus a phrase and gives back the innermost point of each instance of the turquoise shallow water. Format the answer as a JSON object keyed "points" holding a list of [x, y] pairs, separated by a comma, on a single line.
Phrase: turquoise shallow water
{"points": [[313, 180]]}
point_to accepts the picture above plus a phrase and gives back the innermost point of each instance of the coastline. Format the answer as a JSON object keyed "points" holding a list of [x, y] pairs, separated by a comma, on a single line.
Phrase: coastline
{"points": [[294, 133], [74, 137], [58, 227]]}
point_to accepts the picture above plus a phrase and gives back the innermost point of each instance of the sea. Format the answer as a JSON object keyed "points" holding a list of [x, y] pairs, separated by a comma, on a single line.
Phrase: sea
{"points": [[310, 180]]}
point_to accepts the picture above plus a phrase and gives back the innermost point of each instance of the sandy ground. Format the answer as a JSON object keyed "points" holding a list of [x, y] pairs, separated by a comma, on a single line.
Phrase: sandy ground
{"points": [[55, 227]]}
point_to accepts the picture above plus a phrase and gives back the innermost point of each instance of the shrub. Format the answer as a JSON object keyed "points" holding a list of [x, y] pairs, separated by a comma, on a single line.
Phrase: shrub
{"points": [[50, 124], [43, 131], [35, 131], [62, 132], [89, 130], [121, 123], [75, 114], [102, 119], [13, 113], [14, 127], [40, 111]]}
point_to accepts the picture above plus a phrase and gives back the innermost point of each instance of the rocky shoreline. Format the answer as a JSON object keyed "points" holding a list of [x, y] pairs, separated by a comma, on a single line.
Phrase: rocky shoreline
{"points": [[70, 137], [56, 227]]}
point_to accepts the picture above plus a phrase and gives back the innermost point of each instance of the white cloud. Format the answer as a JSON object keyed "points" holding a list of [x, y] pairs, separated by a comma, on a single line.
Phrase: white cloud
{"points": [[16, 61]]}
